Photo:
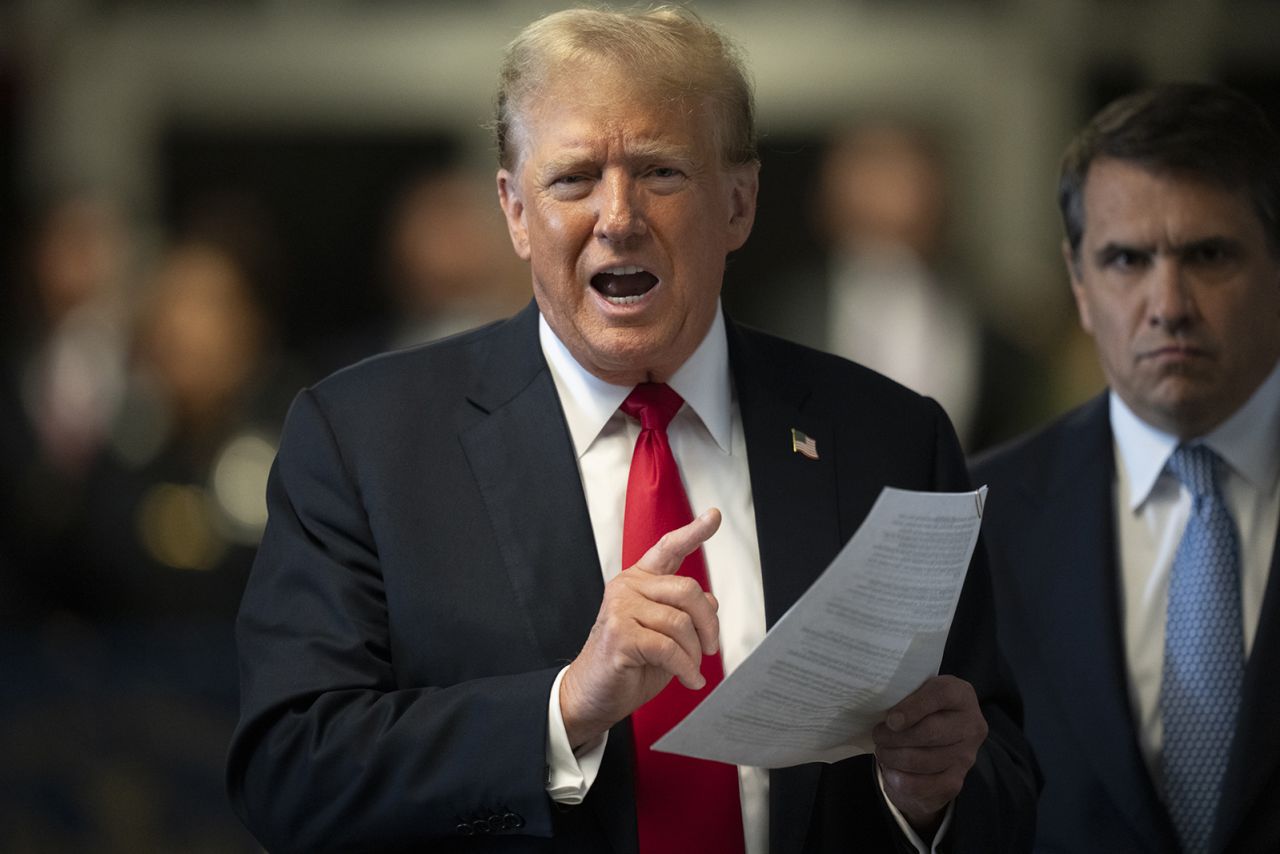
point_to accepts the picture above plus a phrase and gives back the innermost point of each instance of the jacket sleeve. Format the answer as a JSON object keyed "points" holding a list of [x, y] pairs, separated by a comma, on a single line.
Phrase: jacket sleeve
{"points": [[331, 751], [996, 809]]}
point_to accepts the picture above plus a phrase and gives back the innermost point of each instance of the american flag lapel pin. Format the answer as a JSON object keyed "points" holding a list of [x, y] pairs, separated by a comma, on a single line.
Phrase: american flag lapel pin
{"points": [[802, 444]]}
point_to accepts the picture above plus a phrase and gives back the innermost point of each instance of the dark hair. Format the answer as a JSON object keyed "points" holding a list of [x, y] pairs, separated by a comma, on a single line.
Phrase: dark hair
{"points": [[1197, 130]]}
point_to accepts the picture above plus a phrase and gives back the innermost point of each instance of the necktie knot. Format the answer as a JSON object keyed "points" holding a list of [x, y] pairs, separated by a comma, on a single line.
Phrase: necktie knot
{"points": [[1196, 467], [653, 405]]}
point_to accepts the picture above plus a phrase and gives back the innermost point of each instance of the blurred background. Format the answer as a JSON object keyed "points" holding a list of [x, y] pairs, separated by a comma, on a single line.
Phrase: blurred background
{"points": [[206, 205]]}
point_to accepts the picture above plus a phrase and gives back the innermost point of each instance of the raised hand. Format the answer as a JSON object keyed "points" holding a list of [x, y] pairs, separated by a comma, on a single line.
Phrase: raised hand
{"points": [[653, 625]]}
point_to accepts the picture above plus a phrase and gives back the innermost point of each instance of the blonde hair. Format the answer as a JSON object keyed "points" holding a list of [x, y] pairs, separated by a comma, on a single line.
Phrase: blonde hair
{"points": [[670, 49]]}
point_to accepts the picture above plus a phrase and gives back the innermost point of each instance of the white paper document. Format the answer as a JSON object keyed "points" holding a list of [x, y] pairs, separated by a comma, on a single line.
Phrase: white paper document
{"points": [[868, 632]]}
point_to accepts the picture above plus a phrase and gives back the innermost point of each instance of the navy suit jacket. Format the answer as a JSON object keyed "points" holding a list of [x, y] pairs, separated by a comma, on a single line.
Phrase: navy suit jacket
{"points": [[429, 566], [1050, 530]]}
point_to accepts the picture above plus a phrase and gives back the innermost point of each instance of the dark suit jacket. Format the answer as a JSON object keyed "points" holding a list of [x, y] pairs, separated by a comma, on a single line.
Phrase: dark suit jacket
{"points": [[429, 567], [1049, 527]]}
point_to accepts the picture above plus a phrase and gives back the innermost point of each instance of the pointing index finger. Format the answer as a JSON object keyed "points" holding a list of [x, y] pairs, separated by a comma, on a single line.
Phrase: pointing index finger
{"points": [[666, 555]]}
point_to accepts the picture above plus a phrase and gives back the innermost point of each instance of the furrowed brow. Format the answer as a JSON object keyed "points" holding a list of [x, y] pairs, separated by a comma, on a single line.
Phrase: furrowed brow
{"points": [[1113, 248], [570, 162], [656, 149]]}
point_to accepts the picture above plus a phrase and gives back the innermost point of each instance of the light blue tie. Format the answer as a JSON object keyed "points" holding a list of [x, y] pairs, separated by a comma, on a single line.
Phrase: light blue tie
{"points": [[1203, 652]]}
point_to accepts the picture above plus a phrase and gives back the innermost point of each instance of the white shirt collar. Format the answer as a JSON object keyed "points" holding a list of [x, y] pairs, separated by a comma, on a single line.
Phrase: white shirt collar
{"points": [[589, 402], [1247, 441]]}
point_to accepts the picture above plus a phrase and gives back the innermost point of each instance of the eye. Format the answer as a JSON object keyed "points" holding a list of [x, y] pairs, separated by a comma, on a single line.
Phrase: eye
{"points": [[570, 185], [665, 178], [1126, 260], [1210, 253]]}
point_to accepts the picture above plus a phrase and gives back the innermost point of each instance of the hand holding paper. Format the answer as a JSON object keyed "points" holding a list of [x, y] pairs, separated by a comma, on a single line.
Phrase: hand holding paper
{"points": [[867, 634], [926, 746]]}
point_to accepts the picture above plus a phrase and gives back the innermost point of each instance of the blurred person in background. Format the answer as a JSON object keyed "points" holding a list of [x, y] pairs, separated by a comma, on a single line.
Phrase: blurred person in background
{"points": [[449, 264], [885, 297], [62, 383], [446, 267], [173, 508], [115, 722]]}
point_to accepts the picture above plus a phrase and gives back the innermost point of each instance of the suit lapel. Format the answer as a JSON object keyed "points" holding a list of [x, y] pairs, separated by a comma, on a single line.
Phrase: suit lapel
{"points": [[523, 460], [1255, 752], [1075, 585], [797, 528]]}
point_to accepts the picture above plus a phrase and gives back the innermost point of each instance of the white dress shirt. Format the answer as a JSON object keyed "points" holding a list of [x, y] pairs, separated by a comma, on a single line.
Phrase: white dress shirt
{"points": [[707, 441], [1152, 508], [890, 312]]}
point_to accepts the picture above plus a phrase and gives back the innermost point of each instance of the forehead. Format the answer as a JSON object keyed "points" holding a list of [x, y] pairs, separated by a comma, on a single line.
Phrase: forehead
{"points": [[1125, 201], [589, 106]]}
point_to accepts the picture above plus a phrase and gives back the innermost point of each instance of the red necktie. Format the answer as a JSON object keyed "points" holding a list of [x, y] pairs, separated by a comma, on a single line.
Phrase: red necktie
{"points": [[682, 804]]}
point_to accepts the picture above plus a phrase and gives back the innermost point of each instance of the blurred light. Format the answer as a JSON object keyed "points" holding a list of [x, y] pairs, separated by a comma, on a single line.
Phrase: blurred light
{"points": [[139, 434], [240, 485], [175, 528]]}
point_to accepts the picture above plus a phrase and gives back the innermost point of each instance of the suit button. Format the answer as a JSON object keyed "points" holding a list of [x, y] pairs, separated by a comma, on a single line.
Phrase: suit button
{"points": [[480, 825], [512, 821], [464, 829]]}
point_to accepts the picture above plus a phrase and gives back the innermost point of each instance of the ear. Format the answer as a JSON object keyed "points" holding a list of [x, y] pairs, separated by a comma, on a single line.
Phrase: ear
{"points": [[513, 210], [1077, 287], [744, 183]]}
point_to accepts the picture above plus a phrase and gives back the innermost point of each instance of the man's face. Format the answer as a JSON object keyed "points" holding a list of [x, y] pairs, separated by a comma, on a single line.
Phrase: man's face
{"points": [[622, 207], [1177, 285]]}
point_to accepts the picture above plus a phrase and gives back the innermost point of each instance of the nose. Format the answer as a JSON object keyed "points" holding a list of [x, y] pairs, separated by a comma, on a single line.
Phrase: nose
{"points": [[620, 217], [1171, 305]]}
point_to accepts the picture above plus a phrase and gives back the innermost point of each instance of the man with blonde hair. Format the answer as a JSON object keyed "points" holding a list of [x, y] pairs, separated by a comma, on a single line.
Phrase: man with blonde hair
{"points": [[484, 593]]}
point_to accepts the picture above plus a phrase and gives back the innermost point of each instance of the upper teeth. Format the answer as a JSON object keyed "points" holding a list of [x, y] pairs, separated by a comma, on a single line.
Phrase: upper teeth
{"points": [[624, 271]]}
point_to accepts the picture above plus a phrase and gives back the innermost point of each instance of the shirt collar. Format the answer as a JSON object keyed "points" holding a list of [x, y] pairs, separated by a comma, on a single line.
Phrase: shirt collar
{"points": [[1250, 439], [589, 402], [1246, 441]]}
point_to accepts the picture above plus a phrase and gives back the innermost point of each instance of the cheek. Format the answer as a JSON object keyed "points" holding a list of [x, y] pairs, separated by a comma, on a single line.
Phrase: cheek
{"points": [[1253, 325]]}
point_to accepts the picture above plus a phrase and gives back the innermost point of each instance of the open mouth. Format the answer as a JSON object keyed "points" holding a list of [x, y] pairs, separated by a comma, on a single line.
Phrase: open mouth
{"points": [[624, 285]]}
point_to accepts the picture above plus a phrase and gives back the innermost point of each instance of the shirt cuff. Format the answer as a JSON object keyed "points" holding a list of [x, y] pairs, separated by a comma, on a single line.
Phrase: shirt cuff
{"points": [[569, 773], [907, 830]]}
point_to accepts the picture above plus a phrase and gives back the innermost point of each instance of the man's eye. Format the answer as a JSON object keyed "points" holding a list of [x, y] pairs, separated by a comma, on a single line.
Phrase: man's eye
{"points": [[665, 172], [1208, 254], [570, 186], [1126, 259]]}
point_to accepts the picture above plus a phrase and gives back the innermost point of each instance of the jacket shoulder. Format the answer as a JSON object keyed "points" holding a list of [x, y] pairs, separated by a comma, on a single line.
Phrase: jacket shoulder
{"points": [[1037, 455], [835, 382], [455, 358]]}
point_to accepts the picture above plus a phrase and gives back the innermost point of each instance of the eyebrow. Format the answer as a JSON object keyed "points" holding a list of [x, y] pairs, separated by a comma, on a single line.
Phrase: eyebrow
{"points": [[1108, 250], [1213, 241], [656, 149], [582, 154]]}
